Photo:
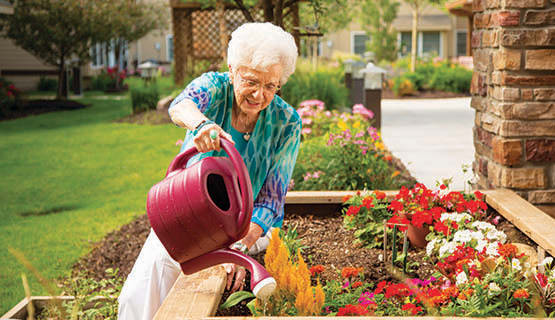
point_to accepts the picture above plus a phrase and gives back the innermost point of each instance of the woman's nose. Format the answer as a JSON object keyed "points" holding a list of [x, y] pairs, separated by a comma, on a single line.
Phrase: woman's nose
{"points": [[258, 93]]}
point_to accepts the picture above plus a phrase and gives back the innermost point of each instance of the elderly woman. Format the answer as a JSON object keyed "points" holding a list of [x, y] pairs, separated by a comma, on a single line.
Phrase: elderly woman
{"points": [[242, 106]]}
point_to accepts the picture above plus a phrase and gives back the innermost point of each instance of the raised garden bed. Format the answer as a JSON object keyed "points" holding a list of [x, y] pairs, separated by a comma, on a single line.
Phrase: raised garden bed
{"points": [[536, 224]]}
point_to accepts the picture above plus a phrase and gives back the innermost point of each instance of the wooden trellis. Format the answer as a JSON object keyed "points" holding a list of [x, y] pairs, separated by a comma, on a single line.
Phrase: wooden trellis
{"points": [[196, 34]]}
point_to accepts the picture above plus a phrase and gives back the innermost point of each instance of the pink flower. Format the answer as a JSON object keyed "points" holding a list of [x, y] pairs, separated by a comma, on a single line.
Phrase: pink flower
{"points": [[359, 142], [347, 134], [291, 185], [364, 149], [331, 139], [307, 121], [313, 102], [359, 135], [306, 131], [328, 114], [179, 142], [360, 109], [495, 220], [346, 285], [316, 174]]}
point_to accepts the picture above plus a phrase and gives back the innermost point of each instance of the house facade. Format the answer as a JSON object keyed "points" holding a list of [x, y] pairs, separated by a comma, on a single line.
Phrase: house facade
{"points": [[439, 34]]}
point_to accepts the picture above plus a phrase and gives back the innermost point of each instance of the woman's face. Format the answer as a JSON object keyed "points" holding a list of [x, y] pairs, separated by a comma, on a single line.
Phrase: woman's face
{"points": [[254, 89]]}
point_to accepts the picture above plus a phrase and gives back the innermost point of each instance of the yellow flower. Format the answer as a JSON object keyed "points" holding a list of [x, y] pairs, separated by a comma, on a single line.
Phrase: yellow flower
{"points": [[342, 125], [356, 125], [380, 146]]}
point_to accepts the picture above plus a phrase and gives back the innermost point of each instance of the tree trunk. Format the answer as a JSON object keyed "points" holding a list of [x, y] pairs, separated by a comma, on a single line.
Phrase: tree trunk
{"points": [[268, 11], [220, 12], [117, 50], [278, 14], [414, 41], [61, 94]]}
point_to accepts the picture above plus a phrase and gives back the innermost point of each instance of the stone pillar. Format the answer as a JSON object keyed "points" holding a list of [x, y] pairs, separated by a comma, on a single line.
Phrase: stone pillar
{"points": [[513, 93]]}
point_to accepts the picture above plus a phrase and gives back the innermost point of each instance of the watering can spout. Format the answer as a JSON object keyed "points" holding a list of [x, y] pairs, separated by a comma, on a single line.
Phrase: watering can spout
{"points": [[262, 284]]}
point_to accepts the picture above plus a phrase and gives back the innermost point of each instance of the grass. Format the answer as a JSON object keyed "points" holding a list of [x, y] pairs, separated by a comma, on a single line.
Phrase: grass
{"points": [[69, 178]]}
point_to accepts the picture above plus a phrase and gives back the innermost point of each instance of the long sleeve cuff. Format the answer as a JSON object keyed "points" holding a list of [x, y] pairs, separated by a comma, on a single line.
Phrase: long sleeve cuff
{"points": [[264, 217]]}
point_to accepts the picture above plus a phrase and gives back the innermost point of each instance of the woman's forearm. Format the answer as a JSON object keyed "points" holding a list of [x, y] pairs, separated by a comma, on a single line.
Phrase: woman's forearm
{"points": [[186, 114]]}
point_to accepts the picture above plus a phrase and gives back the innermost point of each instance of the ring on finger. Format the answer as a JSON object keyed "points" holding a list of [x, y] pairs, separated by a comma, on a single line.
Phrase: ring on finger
{"points": [[213, 134]]}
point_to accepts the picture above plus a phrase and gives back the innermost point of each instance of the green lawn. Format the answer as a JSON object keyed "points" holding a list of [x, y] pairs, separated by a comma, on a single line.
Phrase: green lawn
{"points": [[68, 178]]}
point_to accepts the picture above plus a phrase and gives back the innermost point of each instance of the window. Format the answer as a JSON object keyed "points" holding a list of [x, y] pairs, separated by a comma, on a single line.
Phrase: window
{"points": [[359, 43], [431, 43], [169, 46], [461, 43], [406, 44]]}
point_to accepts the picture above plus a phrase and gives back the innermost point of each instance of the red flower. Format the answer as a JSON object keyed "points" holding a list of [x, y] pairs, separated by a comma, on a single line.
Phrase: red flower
{"points": [[398, 220], [442, 187], [346, 198], [356, 284], [395, 206], [10, 94], [507, 250], [478, 195], [441, 227], [353, 210], [412, 308], [379, 287], [542, 279], [352, 310], [314, 270], [521, 294], [368, 202]]}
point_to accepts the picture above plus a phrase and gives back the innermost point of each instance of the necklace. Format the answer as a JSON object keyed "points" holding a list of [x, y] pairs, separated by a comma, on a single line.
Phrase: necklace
{"points": [[243, 125]]}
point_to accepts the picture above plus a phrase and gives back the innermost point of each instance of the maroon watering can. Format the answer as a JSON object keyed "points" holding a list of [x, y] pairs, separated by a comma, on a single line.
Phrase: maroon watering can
{"points": [[199, 211]]}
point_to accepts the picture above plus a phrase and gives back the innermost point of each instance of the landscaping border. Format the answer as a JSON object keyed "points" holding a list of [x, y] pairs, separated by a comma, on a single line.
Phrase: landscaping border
{"points": [[19, 311], [178, 304]]}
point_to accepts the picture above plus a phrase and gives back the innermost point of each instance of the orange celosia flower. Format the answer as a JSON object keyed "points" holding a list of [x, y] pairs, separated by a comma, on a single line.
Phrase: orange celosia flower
{"points": [[396, 173], [521, 294], [347, 197], [379, 195], [356, 284]]}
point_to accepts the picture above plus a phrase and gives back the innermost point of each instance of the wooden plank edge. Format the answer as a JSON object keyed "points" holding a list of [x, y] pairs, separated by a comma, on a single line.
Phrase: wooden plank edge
{"points": [[19, 311], [325, 197], [523, 215], [194, 296]]}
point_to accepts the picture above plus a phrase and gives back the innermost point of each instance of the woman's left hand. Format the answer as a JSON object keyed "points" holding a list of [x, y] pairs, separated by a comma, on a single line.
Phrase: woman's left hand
{"points": [[236, 273]]}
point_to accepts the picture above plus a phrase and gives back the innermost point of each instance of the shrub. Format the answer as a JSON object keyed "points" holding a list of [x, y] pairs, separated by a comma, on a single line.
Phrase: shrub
{"points": [[9, 97], [452, 78], [402, 86], [101, 82], [47, 84], [324, 84], [144, 98]]}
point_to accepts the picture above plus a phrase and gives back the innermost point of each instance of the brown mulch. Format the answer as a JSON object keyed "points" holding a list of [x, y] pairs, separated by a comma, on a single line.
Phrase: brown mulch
{"points": [[151, 117], [424, 94], [35, 107]]}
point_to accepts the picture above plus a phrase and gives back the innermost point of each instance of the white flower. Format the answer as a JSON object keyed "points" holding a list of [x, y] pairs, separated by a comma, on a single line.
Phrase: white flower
{"points": [[461, 278], [430, 247], [447, 248], [478, 235], [546, 262], [481, 245], [494, 287], [380, 257], [492, 249], [515, 263], [463, 236], [481, 225]]}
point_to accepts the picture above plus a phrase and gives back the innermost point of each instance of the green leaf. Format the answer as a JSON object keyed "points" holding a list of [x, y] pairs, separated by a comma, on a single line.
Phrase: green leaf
{"points": [[235, 298]]}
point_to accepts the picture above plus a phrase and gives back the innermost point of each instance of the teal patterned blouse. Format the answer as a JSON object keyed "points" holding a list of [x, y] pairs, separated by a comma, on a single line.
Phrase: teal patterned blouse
{"points": [[271, 151]]}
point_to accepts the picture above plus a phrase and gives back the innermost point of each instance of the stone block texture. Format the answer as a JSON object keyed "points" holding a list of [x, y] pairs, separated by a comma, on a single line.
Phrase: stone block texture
{"points": [[513, 94]]}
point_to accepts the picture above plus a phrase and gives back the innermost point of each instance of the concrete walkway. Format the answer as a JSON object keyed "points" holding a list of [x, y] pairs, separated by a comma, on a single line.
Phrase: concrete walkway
{"points": [[433, 137]]}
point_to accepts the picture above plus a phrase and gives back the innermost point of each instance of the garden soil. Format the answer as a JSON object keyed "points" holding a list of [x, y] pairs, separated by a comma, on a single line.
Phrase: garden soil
{"points": [[325, 239], [35, 107]]}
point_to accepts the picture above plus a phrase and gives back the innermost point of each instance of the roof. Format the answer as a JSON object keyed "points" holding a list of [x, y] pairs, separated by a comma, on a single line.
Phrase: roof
{"points": [[460, 7]]}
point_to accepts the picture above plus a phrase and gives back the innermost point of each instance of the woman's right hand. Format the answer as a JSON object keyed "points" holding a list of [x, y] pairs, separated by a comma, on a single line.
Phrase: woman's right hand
{"points": [[204, 143]]}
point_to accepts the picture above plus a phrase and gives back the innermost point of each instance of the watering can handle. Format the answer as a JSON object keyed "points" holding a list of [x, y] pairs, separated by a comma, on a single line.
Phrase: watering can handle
{"points": [[244, 180]]}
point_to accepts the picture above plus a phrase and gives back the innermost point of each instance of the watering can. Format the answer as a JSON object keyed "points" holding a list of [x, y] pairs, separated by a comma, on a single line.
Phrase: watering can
{"points": [[199, 211]]}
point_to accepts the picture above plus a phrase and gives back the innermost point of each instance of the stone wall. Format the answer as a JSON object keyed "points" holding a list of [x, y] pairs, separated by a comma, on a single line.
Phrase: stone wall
{"points": [[513, 93]]}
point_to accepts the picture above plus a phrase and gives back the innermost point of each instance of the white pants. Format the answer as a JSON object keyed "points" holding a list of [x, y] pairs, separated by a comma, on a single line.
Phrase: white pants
{"points": [[152, 277]]}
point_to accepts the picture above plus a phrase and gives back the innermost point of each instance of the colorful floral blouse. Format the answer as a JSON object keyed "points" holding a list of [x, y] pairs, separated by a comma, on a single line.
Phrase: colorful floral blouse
{"points": [[271, 151]]}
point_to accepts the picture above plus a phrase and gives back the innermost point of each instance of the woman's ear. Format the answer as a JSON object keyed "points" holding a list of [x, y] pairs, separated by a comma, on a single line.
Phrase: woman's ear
{"points": [[230, 74]]}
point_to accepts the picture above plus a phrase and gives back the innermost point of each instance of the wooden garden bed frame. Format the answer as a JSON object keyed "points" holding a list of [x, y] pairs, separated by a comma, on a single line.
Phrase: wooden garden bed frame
{"points": [[198, 295]]}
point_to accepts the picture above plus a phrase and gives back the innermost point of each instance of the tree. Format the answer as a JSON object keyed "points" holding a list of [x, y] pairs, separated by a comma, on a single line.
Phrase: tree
{"points": [[126, 21], [416, 7], [53, 31], [377, 17]]}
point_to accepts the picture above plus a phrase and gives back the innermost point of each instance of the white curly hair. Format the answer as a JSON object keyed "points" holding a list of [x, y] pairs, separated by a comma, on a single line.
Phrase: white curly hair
{"points": [[260, 45]]}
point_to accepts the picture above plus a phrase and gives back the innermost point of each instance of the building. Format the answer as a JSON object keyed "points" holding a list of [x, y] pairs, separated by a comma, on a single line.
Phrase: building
{"points": [[439, 34]]}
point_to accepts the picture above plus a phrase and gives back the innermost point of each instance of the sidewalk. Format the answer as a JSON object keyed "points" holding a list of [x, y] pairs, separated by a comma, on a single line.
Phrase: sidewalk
{"points": [[433, 137]]}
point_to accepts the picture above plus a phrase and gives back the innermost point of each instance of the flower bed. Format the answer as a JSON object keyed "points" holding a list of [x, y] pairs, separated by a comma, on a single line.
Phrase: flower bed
{"points": [[476, 272]]}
